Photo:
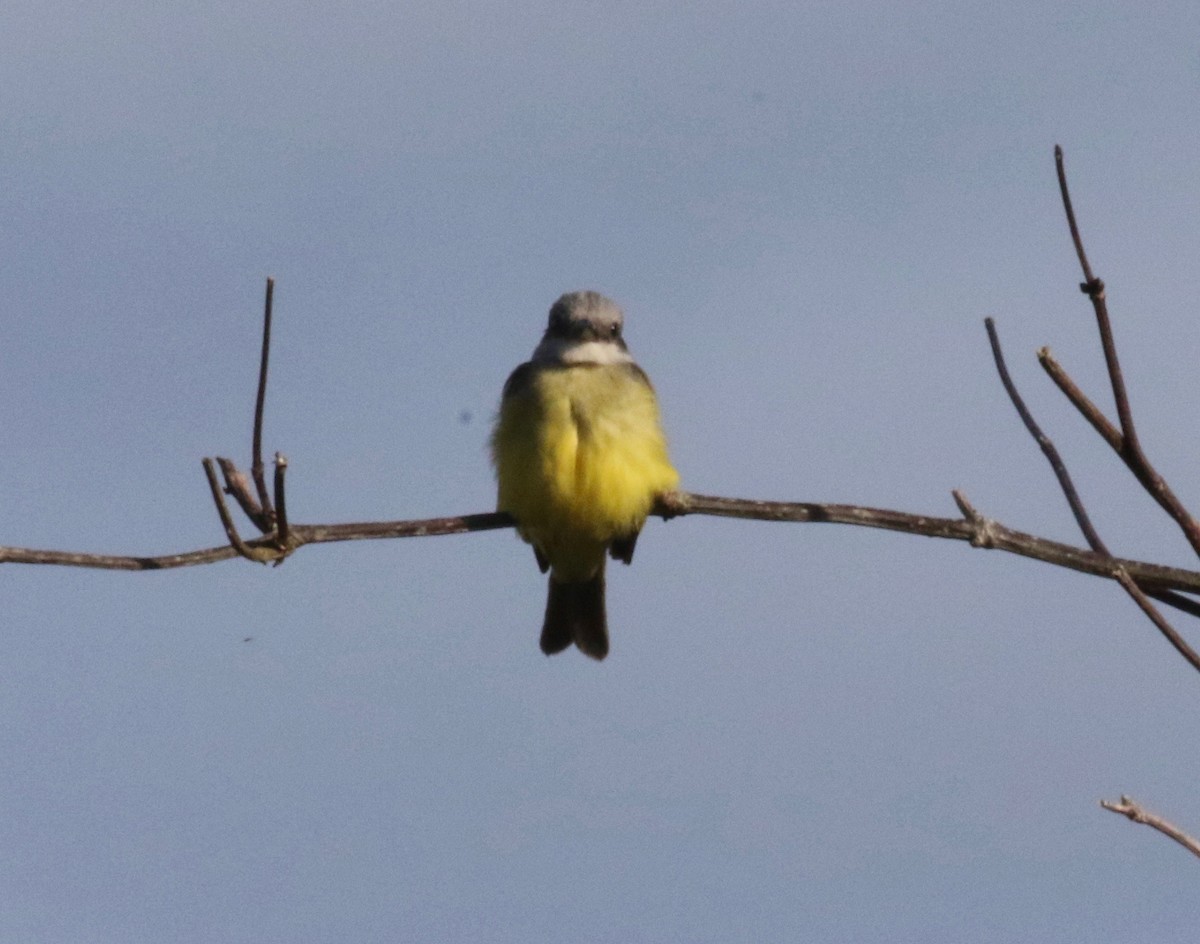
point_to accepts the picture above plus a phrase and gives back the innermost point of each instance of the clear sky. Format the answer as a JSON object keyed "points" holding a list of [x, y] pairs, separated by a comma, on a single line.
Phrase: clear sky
{"points": [[803, 732]]}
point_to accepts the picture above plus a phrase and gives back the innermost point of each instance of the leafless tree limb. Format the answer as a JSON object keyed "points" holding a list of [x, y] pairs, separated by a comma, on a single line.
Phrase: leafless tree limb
{"points": [[1154, 577], [1132, 810], [1077, 508]]}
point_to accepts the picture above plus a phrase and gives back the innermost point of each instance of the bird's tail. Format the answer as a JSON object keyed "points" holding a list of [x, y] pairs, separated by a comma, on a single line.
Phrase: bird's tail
{"points": [[575, 614]]}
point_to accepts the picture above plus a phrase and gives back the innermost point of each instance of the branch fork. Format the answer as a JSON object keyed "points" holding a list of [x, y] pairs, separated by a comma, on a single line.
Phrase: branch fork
{"points": [[275, 546], [1136, 813], [982, 529]]}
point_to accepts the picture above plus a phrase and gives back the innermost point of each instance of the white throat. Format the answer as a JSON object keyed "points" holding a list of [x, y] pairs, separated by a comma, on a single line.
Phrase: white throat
{"points": [[558, 351]]}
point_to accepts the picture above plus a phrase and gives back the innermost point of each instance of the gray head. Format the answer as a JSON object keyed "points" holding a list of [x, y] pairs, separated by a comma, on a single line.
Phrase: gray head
{"points": [[584, 328]]}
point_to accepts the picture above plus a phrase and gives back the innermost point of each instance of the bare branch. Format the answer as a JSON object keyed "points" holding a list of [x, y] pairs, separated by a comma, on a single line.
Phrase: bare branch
{"points": [[281, 519], [1160, 622], [1132, 810], [1128, 446], [256, 469], [238, 485], [1153, 578], [1047, 446], [1066, 199], [29, 555], [1080, 401], [1093, 288]]}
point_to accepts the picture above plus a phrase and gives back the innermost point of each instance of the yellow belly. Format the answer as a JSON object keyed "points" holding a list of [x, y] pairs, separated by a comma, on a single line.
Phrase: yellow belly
{"points": [[580, 458]]}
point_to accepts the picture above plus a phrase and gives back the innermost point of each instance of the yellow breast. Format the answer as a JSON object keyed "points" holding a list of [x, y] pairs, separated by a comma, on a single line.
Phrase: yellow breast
{"points": [[580, 457]]}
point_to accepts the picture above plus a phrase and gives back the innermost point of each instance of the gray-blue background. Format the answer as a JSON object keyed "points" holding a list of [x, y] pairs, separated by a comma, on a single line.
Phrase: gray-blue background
{"points": [[803, 732]]}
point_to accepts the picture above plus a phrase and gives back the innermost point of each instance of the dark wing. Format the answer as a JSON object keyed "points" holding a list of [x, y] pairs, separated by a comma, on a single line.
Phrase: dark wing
{"points": [[622, 548], [518, 383], [518, 380]]}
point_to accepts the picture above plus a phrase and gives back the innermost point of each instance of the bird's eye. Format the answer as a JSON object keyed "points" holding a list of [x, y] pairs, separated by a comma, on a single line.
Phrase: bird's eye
{"points": [[614, 331], [558, 317]]}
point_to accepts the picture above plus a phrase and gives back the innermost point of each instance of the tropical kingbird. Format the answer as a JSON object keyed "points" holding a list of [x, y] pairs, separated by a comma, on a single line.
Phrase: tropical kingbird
{"points": [[580, 458]]}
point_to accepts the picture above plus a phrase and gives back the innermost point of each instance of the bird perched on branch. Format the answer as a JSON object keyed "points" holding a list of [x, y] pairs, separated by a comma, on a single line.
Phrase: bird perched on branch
{"points": [[580, 459]]}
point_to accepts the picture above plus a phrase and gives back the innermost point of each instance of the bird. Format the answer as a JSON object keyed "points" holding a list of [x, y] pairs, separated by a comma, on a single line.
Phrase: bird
{"points": [[580, 458]]}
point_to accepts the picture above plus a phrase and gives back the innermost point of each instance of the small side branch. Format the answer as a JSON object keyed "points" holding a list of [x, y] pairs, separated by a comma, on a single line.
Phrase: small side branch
{"points": [[1133, 811], [983, 534], [1047, 446], [238, 485], [1093, 288], [1080, 401], [256, 468], [281, 519]]}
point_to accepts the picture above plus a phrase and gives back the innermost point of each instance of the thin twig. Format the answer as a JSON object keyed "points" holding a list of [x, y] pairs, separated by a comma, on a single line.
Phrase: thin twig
{"points": [[231, 532], [1173, 599], [1129, 448], [1066, 199], [256, 469], [1180, 602], [1132, 810], [1160, 622], [238, 485], [281, 518], [1079, 400], [1093, 288], [1047, 446]]}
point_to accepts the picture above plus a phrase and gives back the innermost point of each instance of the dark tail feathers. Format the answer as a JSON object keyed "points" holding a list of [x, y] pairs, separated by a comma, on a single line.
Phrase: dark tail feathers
{"points": [[575, 614]]}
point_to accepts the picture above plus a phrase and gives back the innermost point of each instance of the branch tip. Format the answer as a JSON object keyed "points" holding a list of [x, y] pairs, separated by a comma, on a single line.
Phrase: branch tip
{"points": [[1136, 813]]}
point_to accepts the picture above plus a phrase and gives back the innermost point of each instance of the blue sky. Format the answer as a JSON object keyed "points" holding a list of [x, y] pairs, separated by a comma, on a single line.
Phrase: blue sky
{"points": [[803, 732]]}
